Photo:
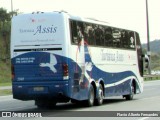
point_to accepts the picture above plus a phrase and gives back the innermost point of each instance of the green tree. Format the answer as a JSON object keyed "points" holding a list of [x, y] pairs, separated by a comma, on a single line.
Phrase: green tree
{"points": [[5, 28]]}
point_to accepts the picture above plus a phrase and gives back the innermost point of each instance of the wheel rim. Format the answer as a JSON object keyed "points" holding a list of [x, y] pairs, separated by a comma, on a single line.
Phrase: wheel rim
{"points": [[100, 99], [132, 91], [91, 98], [100, 95]]}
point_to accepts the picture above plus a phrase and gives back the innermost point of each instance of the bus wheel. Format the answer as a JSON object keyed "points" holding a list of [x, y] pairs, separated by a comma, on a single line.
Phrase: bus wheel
{"points": [[91, 97], [40, 103], [99, 100], [50, 105], [75, 101], [130, 96], [45, 104]]}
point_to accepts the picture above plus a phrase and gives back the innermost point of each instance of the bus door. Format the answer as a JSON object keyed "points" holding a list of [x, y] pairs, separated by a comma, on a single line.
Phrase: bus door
{"points": [[139, 54]]}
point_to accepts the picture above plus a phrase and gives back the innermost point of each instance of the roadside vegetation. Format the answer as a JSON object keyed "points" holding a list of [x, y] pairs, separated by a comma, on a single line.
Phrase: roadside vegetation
{"points": [[5, 92], [5, 29], [5, 65]]}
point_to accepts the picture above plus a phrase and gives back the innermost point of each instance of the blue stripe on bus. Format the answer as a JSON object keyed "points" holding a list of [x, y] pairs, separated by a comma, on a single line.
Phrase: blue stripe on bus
{"points": [[96, 74]]}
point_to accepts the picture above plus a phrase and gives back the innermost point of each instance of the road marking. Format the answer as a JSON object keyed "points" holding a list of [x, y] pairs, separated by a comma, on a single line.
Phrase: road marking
{"points": [[19, 108], [6, 88], [6, 98], [149, 98], [144, 118], [152, 81]]}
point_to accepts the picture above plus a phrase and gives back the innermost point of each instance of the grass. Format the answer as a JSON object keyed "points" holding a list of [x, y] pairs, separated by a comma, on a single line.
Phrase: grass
{"points": [[152, 78], [5, 72], [5, 77], [9, 92], [5, 92], [5, 84]]}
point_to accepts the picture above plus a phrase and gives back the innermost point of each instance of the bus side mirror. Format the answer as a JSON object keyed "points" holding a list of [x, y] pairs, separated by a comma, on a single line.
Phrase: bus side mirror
{"points": [[146, 57], [146, 61]]}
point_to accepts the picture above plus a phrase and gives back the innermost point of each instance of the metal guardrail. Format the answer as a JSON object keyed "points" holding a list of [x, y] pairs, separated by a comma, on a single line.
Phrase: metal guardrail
{"points": [[6, 88], [151, 77]]}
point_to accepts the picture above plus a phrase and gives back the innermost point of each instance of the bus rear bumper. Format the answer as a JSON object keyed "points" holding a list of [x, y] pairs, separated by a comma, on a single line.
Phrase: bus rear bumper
{"points": [[40, 90]]}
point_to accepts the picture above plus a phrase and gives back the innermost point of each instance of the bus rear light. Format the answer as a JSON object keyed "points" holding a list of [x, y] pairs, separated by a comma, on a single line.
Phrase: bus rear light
{"points": [[12, 71], [65, 70]]}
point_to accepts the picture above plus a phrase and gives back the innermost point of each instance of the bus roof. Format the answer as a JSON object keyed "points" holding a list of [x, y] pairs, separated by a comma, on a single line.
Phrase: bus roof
{"points": [[78, 18]]}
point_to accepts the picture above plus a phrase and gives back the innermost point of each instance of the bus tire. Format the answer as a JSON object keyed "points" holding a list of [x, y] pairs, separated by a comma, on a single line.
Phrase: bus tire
{"points": [[99, 100], [91, 96], [40, 103], [45, 104], [75, 101], [51, 105], [131, 95]]}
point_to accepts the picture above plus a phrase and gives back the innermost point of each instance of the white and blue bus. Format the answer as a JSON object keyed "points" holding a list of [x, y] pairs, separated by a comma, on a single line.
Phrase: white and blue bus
{"points": [[57, 57]]}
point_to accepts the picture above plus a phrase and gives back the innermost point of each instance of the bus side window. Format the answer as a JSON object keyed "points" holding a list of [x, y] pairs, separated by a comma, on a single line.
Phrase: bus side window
{"points": [[87, 29], [138, 43], [108, 37], [139, 54], [132, 41], [91, 34], [74, 32], [116, 37], [98, 35], [125, 39], [80, 31]]}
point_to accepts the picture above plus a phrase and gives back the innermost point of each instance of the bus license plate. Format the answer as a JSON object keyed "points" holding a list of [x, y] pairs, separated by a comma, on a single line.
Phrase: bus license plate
{"points": [[37, 89]]}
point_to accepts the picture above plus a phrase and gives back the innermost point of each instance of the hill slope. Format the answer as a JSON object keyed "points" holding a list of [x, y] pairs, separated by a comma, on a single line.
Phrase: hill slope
{"points": [[155, 54], [154, 46]]}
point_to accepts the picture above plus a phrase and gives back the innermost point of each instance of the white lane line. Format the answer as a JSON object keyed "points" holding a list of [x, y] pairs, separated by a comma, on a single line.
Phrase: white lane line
{"points": [[152, 81], [6, 98], [149, 98], [19, 108], [144, 118]]}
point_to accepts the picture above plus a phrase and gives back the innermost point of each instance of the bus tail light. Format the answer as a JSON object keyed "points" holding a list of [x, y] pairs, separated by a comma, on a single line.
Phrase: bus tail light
{"points": [[12, 71], [65, 71]]}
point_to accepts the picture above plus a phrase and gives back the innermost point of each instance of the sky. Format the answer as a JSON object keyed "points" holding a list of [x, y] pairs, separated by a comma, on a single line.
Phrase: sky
{"points": [[130, 14]]}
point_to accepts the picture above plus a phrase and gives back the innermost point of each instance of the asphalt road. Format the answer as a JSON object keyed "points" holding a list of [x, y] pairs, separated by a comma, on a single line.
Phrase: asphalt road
{"points": [[149, 100]]}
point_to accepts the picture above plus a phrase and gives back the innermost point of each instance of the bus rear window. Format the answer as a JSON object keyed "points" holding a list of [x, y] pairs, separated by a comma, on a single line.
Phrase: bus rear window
{"points": [[101, 36]]}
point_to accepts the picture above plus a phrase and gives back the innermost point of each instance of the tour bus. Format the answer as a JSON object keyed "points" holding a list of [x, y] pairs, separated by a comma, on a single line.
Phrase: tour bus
{"points": [[57, 57]]}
